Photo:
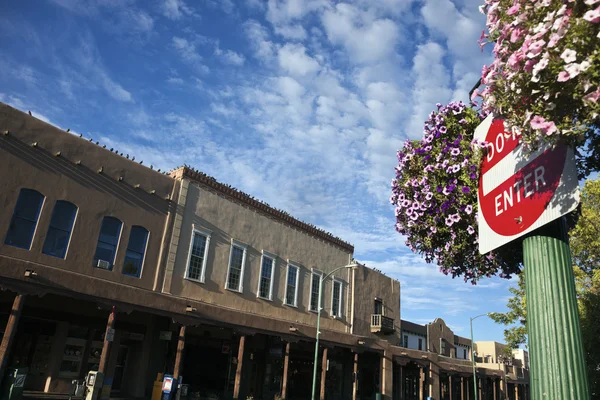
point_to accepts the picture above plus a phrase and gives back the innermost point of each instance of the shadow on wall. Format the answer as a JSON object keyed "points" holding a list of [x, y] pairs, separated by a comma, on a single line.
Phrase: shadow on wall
{"points": [[42, 160]]}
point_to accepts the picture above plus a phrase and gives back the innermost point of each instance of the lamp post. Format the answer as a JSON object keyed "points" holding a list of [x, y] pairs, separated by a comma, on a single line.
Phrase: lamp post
{"points": [[321, 280], [473, 355]]}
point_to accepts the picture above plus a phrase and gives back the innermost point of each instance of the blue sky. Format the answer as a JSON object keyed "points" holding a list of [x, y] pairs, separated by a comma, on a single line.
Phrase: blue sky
{"points": [[301, 103]]}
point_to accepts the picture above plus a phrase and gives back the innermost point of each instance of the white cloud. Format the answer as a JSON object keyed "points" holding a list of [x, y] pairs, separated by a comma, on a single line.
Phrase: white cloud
{"points": [[187, 51], [230, 57], [175, 80], [294, 60], [264, 49], [366, 38], [175, 9]]}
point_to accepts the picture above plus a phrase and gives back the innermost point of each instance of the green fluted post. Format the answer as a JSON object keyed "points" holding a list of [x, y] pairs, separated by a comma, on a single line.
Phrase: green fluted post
{"points": [[555, 349]]}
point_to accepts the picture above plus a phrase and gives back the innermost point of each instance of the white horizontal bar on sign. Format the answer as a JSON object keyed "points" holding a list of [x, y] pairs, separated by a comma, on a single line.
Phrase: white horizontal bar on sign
{"points": [[508, 166]]}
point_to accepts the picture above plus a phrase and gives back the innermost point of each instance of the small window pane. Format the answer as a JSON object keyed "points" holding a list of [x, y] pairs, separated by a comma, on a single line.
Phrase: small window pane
{"points": [[292, 279], [108, 240], [59, 231], [265, 277], [197, 256], [378, 307], [136, 248], [235, 268], [24, 219], [336, 299], [314, 291]]}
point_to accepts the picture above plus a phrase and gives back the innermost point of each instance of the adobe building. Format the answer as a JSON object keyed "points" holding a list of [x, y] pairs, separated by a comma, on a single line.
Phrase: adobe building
{"points": [[109, 265]]}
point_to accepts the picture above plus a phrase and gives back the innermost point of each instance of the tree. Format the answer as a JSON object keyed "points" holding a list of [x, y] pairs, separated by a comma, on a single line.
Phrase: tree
{"points": [[585, 248]]}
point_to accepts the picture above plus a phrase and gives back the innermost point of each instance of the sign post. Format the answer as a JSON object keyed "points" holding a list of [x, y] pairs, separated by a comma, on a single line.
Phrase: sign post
{"points": [[528, 194]]}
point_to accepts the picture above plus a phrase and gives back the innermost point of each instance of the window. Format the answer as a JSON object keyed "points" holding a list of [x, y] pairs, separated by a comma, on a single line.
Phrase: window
{"points": [[465, 354], [59, 231], [136, 249], [108, 241], [314, 290], [378, 307], [235, 273], [265, 282], [336, 299], [405, 343], [24, 219], [420, 344], [196, 266], [291, 287]]}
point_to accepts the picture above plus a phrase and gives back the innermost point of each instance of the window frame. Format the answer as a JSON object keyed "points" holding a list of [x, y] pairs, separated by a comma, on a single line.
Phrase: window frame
{"points": [[405, 341], [273, 258], [420, 344], [112, 263], [314, 272], [139, 275], [296, 283], [244, 248], [36, 222], [335, 281], [70, 232], [207, 234]]}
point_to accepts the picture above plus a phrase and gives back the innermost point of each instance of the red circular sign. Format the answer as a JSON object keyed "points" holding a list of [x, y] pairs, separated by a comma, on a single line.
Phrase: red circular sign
{"points": [[513, 194]]}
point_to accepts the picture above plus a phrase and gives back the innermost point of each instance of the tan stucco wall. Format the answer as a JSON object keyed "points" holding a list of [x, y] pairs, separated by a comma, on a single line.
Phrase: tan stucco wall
{"points": [[96, 195], [226, 219], [493, 349], [368, 285], [439, 330]]}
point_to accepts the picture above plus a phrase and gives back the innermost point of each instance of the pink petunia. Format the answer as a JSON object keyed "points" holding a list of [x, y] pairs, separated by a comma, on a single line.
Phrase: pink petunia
{"points": [[537, 122], [593, 96], [549, 128], [592, 16], [529, 65], [515, 59], [536, 48], [573, 69], [563, 76], [514, 9]]}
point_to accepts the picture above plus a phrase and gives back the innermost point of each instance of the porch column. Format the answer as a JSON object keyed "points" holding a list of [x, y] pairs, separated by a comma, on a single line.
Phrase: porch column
{"points": [[9, 334], [516, 391], [110, 331], [495, 390], [480, 388], [387, 375], [434, 380], [238, 370], [450, 385], [323, 373], [355, 377], [421, 383], [179, 356], [503, 389], [286, 361], [462, 388]]}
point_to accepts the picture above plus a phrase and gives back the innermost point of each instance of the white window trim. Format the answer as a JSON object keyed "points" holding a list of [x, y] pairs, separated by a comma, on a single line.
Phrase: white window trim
{"points": [[314, 272], [293, 265], [206, 233], [339, 310], [244, 247], [273, 258], [71, 237]]}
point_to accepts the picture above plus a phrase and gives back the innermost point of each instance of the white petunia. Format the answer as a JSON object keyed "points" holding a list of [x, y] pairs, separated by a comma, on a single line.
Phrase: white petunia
{"points": [[569, 56]]}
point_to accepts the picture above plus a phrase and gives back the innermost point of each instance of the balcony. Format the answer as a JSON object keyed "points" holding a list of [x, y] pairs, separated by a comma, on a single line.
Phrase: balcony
{"points": [[382, 324]]}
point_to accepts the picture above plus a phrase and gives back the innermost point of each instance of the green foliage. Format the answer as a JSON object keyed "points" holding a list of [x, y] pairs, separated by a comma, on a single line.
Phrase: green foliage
{"points": [[585, 237]]}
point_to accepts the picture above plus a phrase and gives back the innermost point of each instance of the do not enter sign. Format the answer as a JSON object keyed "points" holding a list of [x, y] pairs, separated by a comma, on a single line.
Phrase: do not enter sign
{"points": [[520, 192]]}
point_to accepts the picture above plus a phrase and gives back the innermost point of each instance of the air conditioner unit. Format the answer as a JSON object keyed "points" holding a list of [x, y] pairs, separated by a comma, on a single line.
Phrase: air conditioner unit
{"points": [[103, 264]]}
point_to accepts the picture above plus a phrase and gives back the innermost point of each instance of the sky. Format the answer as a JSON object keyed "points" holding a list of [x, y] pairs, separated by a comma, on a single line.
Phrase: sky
{"points": [[300, 103]]}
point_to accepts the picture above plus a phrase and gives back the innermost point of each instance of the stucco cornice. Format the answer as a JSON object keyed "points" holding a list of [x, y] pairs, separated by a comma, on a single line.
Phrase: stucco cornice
{"points": [[247, 200]]}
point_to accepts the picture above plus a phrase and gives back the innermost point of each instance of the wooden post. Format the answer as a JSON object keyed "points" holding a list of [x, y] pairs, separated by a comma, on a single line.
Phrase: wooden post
{"points": [[238, 371], [180, 353], [355, 377], [421, 383], [462, 388], [495, 390], [450, 385], [110, 327], [516, 391], [286, 361], [480, 388], [323, 373], [9, 333]]}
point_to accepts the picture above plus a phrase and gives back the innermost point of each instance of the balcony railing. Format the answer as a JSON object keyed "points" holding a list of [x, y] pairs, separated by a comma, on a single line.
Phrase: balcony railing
{"points": [[382, 324]]}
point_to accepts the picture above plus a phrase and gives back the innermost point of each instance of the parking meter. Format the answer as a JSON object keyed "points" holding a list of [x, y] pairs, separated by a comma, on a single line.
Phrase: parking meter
{"points": [[169, 387], [93, 385]]}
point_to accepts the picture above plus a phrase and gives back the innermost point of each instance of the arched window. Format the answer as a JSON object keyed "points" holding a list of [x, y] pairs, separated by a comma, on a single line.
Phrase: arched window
{"points": [[136, 249], [25, 218], [59, 231], [108, 241]]}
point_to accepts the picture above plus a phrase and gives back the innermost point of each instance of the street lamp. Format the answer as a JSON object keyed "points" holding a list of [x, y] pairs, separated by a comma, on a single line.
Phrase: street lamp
{"points": [[321, 280], [473, 355]]}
